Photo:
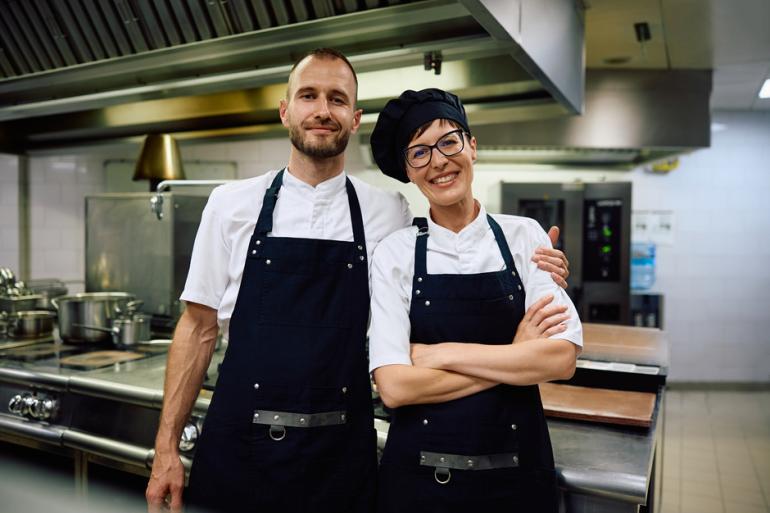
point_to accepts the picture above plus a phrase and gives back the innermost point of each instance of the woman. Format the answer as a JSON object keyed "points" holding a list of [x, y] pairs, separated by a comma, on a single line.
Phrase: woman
{"points": [[452, 350]]}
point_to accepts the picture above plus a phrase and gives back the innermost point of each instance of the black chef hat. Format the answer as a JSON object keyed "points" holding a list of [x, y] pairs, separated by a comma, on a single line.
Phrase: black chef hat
{"points": [[402, 116]]}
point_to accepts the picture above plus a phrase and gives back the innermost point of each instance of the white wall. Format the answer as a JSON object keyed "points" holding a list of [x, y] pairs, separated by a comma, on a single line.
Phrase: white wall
{"points": [[715, 276]]}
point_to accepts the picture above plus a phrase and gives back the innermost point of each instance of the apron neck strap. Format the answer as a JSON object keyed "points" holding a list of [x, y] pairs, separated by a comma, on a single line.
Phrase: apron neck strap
{"points": [[421, 246], [265, 221]]}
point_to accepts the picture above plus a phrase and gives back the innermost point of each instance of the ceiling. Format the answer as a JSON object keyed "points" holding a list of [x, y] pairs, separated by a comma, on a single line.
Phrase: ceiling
{"points": [[728, 36]]}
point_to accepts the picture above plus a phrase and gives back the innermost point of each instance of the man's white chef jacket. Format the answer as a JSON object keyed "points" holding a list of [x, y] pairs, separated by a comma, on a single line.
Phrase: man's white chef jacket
{"points": [[302, 211], [473, 250]]}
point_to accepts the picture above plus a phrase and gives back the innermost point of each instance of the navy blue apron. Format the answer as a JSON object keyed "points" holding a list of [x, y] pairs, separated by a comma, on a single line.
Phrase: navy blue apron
{"points": [[486, 452], [290, 427]]}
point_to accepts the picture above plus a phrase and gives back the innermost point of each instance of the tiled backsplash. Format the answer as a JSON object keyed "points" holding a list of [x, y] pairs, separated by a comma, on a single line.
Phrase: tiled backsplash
{"points": [[714, 277]]}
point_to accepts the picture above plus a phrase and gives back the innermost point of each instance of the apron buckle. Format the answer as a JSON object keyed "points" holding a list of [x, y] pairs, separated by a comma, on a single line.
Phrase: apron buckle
{"points": [[277, 433], [442, 475]]}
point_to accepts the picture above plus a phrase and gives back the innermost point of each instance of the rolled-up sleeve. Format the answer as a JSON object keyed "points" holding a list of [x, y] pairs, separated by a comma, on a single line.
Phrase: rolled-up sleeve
{"points": [[389, 329]]}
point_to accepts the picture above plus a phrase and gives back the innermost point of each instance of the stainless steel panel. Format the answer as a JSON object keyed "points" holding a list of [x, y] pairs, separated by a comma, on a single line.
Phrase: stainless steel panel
{"points": [[260, 11], [300, 10], [82, 51], [323, 8], [128, 249], [280, 11], [131, 25], [116, 27], [14, 39], [154, 32], [185, 25], [95, 16], [55, 32], [11, 50], [5, 65], [28, 34], [218, 20], [199, 19], [167, 20], [39, 31], [241, 17], [85, 26]]}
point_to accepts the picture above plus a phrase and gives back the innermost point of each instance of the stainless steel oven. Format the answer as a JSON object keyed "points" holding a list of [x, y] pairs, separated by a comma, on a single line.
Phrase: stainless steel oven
{"points": [[595, 223]]}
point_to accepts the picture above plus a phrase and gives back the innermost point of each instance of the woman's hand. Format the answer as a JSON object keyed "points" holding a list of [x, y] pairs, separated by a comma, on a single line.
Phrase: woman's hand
{"points": [[541, 320], [553, 260]]}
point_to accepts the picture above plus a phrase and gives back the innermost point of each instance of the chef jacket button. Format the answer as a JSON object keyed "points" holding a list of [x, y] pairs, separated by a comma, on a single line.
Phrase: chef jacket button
{"points": [[514, 427], [424, 422], [419, 279], [510, 296], [350, 266], [427, 303], [258, 242], [268, 262], [361, 257], [417, 292], [256, 386]]}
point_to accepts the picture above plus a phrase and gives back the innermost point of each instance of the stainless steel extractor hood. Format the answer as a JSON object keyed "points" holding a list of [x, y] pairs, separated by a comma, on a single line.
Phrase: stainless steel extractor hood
{"points": [[207, 69]]}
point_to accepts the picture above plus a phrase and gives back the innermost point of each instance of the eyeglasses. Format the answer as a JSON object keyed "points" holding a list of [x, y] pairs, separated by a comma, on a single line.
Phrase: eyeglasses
{"points": [[449, 144]]}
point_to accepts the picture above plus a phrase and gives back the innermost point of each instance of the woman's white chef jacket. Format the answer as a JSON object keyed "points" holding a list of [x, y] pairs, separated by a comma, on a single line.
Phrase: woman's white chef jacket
{"points": [[473, 250], [320, 212]]}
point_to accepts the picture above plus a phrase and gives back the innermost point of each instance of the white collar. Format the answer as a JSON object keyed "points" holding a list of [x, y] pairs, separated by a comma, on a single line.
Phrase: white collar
{"points": [[470, 235], [328, 188]]}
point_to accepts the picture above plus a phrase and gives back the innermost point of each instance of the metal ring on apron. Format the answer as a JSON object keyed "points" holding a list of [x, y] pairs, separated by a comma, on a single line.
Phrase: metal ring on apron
{"points": [[444, 471], [275, 431]]}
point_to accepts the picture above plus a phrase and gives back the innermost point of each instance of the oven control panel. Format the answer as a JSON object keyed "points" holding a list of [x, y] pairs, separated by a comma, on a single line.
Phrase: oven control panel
{"points": [[34, 406]]}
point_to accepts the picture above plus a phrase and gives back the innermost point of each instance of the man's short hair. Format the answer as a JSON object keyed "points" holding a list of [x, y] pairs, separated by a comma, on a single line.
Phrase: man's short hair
{"points": [[322, 53]]}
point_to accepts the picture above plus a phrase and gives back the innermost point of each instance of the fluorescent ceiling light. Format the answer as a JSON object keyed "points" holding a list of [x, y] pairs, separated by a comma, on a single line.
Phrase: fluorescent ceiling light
{"points": [[765, 91]]}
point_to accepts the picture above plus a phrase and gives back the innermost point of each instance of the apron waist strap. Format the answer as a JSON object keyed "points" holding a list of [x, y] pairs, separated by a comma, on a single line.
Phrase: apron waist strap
{"points": [[306, 420], [461, 462]]}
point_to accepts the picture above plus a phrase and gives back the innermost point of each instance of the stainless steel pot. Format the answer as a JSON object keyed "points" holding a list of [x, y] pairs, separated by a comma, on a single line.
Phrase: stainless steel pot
{"points": [[93, 309], [126, 332], [30, 324]]}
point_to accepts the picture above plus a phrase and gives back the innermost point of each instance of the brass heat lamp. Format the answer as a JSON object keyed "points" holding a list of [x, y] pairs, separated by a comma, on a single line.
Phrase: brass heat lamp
{"points": [[159, 160]]}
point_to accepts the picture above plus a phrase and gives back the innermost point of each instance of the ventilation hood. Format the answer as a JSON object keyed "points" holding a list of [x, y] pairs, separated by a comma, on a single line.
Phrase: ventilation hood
{"points": [[76, 72]]}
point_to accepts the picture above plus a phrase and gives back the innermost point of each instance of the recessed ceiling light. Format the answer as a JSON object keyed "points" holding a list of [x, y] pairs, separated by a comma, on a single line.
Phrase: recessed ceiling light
{"points": [[765, 91]]}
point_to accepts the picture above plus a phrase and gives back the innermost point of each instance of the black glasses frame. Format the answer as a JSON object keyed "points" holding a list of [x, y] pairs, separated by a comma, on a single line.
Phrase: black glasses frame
{"points": [[431, 147]]}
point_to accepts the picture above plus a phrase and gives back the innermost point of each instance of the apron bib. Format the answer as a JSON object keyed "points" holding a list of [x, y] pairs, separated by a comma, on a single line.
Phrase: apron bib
{"points": [[486, 452], [290, 424]]}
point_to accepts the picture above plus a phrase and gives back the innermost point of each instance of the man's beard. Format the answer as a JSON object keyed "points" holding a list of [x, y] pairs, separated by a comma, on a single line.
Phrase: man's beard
{"points": [[322, 150]]}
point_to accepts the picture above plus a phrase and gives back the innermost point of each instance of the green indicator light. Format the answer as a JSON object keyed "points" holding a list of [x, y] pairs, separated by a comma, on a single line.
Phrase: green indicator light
{"points": [[606, 249], [606, 231]]}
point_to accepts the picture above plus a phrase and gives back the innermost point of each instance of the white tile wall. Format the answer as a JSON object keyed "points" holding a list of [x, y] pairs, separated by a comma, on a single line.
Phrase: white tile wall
{"points": [[715, 276]]}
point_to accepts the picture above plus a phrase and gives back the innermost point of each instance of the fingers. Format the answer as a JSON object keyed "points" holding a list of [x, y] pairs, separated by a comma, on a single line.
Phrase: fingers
{"points": [[553, 234], [553, 253], [561, 282], [540, 317], [550, 263], [555, 330], [553, 320], [176, 499], [536, 306]]}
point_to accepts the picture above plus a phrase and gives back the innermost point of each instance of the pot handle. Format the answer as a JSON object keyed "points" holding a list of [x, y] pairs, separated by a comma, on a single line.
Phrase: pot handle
{"points": [[95, 328], [55, 303], [131, 307]]}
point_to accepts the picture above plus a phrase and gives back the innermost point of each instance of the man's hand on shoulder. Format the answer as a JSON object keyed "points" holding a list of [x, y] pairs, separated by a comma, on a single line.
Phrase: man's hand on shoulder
{"points": [[552, 260], [164, 490]]}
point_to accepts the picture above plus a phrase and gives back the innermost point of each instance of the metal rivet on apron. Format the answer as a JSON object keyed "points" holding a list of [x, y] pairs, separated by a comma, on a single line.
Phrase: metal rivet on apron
{"points": [[253, 251], [422, 458], [276, 417], [256, 416], [268, 262], [427, 303], [256, 386], [419, 279], [350, 266], [470, 463], [342, 416], [424, 422], [510, 296], [513, 273], [360, 247], [442, 459], [514, 427], [515, 459], [417, 292], [519, 286], [258, 242], [361, 257], [302, 420], [344, 390]]}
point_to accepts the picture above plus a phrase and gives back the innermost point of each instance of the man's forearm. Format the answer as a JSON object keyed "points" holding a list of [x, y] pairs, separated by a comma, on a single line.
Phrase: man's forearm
{"points": [[401, 385], [522, 363], [188, 358]]}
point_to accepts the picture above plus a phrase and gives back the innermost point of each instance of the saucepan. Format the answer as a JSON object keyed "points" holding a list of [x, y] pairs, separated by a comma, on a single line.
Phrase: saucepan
{"points": [[92, 309], [125, 332], [30, 324]]}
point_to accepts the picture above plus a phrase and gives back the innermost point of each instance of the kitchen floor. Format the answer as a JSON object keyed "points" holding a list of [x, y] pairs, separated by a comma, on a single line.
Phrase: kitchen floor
{"points": [[717, 452]]}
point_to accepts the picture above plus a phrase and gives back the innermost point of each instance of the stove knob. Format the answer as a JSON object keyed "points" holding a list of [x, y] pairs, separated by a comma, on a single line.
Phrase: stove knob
{"points": [[14, 406], [44, 408], [27, 404], [189, 437]]}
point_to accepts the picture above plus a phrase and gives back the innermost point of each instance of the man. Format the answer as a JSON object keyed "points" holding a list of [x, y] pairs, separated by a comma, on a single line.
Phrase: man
{"points": [[282, 261]]}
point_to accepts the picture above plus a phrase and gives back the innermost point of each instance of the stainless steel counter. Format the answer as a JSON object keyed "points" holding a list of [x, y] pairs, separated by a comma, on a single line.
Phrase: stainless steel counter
{"points": [[597, 464]]}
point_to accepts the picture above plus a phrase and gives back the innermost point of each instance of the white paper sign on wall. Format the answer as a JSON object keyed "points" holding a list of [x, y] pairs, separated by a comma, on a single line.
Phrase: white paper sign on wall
{"points": [[653, 226]]}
